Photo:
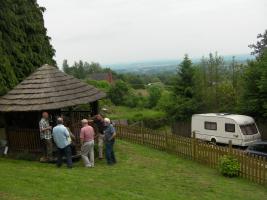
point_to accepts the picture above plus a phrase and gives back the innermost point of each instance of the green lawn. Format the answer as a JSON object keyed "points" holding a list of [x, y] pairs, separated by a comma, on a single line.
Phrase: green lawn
{"points": [[141, 173]]}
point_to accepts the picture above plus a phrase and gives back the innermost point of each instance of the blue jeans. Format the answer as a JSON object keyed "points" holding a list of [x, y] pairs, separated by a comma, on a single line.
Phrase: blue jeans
{"points": [[64, 152], [110, 156]]}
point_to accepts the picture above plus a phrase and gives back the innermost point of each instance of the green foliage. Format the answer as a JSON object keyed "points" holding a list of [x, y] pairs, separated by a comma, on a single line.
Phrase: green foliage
{"points": [[184, 84], [24, 45], [119, 92], [183, 108], [82, 70], [229, 166], [136, 81], [135, 114], [8, 78], [184, 102], [261, 46], [103, 85], [154, 96], [226, 97], [254, 95], [166, 101]]}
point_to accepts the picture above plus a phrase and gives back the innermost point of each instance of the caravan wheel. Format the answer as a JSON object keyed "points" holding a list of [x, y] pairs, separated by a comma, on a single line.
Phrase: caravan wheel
{"points": [[213, 141]]}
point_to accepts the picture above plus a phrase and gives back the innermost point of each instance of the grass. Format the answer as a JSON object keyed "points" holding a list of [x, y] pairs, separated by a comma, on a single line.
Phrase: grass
{"points": [[134, 114], [141, 173]]}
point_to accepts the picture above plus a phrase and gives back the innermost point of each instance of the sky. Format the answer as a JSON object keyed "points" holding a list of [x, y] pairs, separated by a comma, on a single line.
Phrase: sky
{"points": [[121, 31]]}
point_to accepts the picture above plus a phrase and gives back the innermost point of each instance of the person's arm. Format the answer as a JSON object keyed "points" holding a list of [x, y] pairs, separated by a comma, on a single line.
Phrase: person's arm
{"points": [[72, 136], [67, 133], [42, 128], [82, 136], [47, 128], [54, 138], [114, 133], [113, 136], [94, 135]]}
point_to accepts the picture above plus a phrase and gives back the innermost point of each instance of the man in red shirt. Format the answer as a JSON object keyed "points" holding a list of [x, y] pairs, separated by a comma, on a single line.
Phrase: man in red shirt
{"points": [[87, 141]]}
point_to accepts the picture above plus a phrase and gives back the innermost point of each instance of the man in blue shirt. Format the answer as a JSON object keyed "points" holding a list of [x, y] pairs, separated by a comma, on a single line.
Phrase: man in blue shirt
{"points": [[61, 137], [109, 138]]}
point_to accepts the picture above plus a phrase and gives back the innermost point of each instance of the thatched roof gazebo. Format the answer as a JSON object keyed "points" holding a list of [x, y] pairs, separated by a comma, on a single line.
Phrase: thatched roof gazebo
{"points": [[47, 89]]}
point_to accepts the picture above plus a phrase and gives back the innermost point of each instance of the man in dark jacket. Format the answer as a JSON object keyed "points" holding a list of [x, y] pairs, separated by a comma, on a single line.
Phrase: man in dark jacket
{"points": [[109, 138]]}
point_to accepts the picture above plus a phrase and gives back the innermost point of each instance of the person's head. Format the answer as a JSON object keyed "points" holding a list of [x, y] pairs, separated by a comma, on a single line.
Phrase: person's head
{"points": [[67, 122], [107, 121], [84, 122], [59, 120], [90, 122], [45, 115], [99, 117]]}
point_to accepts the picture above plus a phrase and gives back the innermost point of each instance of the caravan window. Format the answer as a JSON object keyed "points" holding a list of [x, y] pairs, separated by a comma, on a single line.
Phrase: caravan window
{"points": [[249, 129], [211, 125], [230, 128]]}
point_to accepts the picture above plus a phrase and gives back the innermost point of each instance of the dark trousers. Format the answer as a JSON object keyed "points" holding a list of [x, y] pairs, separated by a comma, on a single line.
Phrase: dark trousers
{"points": [[47, 145], [64, 152], [110, 156]]}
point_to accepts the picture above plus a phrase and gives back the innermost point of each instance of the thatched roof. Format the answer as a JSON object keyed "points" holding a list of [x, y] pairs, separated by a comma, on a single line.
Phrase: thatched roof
{"points": [[48, 88]]}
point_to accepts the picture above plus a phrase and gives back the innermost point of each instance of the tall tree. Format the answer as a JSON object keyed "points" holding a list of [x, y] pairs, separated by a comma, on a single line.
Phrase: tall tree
{"points": [[254, 97], [184, 102], [260, 46], [24, 44], [184, 84]]}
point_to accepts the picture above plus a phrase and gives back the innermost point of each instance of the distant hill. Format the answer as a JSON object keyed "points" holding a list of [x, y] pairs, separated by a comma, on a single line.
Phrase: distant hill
{"points": [[163, 66]]}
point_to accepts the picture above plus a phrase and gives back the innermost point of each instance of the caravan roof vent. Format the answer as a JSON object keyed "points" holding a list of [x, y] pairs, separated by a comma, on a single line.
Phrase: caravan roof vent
{"points": [[223, 114]]}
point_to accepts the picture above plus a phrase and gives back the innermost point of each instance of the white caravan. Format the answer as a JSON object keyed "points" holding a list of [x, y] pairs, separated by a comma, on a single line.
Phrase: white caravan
{"points": [[222, 127]]}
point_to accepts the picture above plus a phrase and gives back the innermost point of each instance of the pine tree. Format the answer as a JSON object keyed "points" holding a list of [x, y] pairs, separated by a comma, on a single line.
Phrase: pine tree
{"points": [[24, 44], [184, 102]]}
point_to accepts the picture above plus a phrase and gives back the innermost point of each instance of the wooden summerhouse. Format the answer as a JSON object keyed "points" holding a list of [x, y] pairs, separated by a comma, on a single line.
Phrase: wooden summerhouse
{"points": [[47, 89]]}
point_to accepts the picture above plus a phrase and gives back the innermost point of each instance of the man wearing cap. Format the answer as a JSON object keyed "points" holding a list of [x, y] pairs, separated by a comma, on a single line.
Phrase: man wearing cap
{"points": [[109, 138], [87, 141], [61, 138], [46, 136]]}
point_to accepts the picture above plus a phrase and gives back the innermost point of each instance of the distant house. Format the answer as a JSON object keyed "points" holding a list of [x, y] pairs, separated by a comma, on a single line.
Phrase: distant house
{"points": [[102, 77]]}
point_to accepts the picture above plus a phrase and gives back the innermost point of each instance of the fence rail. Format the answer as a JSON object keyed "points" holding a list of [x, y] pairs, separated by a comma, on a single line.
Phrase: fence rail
{"points": [[24, 140], [253, 168]]}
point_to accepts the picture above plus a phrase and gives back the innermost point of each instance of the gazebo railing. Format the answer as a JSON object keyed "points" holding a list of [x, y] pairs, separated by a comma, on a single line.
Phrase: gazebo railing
{"points": [[24, 140]]}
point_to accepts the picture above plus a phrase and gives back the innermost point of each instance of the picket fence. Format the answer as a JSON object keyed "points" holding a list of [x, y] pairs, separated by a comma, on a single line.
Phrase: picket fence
{"points": [[253, 168]]}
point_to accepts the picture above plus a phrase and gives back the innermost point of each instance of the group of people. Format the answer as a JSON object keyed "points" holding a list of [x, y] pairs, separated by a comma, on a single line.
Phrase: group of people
{"points": [[99, 128]]}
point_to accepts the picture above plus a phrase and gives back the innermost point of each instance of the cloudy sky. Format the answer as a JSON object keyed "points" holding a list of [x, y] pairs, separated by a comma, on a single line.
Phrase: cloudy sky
{"points": [[116, 31]]}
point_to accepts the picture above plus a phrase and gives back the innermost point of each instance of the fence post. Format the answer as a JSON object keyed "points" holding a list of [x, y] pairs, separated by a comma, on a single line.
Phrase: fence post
{"points": [[142, 132], [194, 143], [166, 140], [230, 148]]}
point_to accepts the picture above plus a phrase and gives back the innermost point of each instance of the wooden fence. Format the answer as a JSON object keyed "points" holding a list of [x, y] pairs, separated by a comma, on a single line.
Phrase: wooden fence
{"points": [[21, 140], [253, 167]]}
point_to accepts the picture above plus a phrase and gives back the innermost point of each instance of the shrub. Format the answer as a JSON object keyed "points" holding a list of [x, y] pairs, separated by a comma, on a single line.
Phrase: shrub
{"points": [[229, 166]]}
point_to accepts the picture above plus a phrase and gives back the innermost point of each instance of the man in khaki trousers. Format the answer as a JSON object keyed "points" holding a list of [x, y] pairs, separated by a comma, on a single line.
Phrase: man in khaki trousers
{"points": [[87, 141]]}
